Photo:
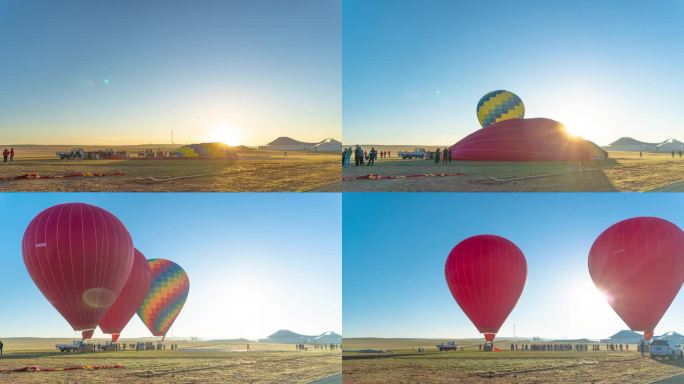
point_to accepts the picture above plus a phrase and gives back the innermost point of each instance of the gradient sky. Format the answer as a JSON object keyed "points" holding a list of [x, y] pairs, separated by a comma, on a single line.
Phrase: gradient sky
{"points": [[128, 72], [414, 70], [395, 246], [256, 262]]}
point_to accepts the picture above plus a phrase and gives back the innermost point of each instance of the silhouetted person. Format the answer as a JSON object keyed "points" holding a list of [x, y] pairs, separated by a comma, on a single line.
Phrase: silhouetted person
{"points": [[437, 153], [449, 155], [358, 156], [444, 156], [5, 155], [371, 157], [12, 155], [1, 346]]}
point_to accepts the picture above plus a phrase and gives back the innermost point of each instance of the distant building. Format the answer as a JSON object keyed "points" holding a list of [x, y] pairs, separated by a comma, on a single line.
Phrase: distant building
{"points": [[624, 337], [285, 336], [289, 144], [630, 144]]}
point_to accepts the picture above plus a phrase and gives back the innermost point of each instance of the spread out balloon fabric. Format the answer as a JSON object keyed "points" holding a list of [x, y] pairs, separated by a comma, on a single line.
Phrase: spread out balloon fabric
{"points": [[79, 256], [638, 264], [130, 299], [166, 296], [499, 106], [486, 275]]}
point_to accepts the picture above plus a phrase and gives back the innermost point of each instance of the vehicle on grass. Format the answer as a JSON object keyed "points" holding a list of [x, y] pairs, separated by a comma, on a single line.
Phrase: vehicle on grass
{"points": [[75, 346], [665, 348], [74, 154], [449, 346], [417, 153]]}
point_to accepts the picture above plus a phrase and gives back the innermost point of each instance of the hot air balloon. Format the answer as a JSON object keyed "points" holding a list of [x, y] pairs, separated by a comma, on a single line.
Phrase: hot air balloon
{"points": [[79, 256], [486, 275], [166, 296], [129, 300], [499, 106], [638, 264]]}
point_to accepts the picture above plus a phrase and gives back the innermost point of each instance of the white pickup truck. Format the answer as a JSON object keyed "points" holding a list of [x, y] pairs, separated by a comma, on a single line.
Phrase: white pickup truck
{"points": [[418, 153], [664, 348], [76, 346]]}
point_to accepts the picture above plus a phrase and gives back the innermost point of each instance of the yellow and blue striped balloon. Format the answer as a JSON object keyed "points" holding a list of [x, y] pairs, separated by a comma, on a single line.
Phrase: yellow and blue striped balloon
{"points": [[499, 106]]}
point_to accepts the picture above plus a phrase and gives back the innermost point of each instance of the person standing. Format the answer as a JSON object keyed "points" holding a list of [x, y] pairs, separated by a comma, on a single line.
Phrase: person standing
{"points": [[437, 152], [449, 154], [371, 156], [1, 346], [5, 154], [444, 156], [12, 155], [358, 156]]}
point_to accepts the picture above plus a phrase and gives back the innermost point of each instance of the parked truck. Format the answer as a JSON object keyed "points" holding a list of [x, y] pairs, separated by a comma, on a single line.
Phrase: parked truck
{"points": [[75, 346], [417, 153], [449, 346]]}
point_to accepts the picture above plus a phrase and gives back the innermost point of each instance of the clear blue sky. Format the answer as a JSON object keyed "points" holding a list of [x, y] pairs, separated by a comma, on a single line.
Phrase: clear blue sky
{"points": [[127, 71], [395, 246], [414, 71], [256, 262]]}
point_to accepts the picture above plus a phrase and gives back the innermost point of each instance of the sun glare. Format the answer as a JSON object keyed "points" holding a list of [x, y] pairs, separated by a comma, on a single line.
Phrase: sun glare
{"points": [[226, 135]]}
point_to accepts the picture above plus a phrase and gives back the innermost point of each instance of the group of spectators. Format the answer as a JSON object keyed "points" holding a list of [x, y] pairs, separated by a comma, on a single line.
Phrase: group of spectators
{"points": [[8, 155], [361, 156]]}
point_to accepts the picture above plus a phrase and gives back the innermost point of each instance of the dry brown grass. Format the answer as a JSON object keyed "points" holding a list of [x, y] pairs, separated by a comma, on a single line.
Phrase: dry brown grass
{"points": [[193, 362], [253, 171], [404, 365], [624, 171]]}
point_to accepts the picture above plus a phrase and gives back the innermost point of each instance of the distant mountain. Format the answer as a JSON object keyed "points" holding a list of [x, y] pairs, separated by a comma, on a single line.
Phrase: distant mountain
{"points": [[285, 336], [630, 144], [285, 143], [675, 337], [670, 145], [623, 337]]}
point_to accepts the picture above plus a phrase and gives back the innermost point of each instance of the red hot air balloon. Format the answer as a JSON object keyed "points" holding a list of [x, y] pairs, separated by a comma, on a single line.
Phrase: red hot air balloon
{"points": [[79, 256], [129, 300], [638, 264], [87, 335], [486, 275]]}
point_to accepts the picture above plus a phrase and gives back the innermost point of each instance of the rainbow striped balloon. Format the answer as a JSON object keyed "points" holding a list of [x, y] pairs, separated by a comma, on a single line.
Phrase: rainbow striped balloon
{"points": [[165, 299], [499, 106]]}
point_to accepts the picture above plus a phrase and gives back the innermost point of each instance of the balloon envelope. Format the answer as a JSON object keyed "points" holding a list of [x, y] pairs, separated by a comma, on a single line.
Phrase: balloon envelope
{"points": [[638, 264], [166, 296], [129, 300], [486, 275], [499, 106], [79, 256]]}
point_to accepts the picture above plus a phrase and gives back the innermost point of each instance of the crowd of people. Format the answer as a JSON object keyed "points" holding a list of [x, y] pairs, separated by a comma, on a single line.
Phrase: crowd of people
{"points": [[368, 158], [8, 155], [580, 347], [331, 346]]}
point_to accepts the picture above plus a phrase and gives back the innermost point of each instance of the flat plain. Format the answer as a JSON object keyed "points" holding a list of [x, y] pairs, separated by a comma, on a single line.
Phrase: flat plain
{"points": [[37, 168], [192, 362], [622, 172], [399, 362]]}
